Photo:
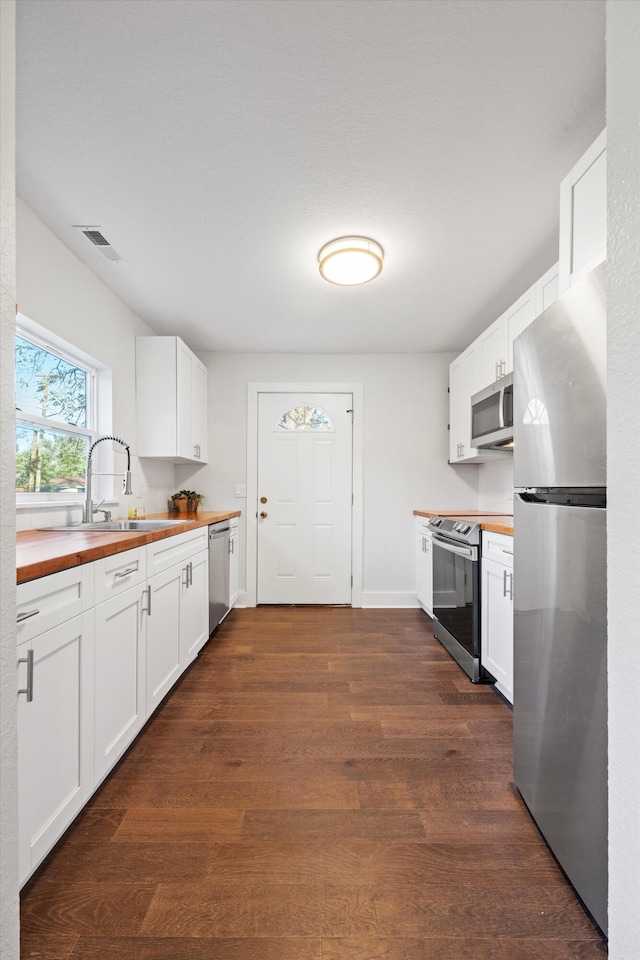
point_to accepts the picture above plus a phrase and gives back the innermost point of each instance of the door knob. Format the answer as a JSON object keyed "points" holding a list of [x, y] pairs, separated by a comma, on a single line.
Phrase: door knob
{"points": [[263, 515], [263, 499]]}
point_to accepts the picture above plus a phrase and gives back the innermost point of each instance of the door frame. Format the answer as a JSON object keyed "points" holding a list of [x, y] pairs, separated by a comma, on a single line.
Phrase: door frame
{"points": [[253, 391]]}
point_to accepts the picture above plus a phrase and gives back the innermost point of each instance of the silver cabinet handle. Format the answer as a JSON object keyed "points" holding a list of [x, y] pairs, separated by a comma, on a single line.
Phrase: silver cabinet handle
{"points": [[509, 552], [147, 590], [462, 449], [497, 368], [26, 615], [186, 576], [504, 583], [29, 687], [125, 573], [505, 574], [190, 568]]}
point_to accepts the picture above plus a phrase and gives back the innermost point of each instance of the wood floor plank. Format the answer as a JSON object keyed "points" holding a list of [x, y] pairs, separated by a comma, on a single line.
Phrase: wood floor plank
{"points": [[365, 862], [326, 825], [501, 911], [383, 948], [322, 784], [243, 795], [499, 949], [465, 795], [53, 948], [124, 862], [196, 948], [105, 909], [260, 910], [170, 825]]}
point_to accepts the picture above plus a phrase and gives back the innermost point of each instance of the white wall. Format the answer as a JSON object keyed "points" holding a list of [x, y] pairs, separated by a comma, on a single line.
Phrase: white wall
{"points": [[623, 465], [495, 486], [406, 446], [56, 290], [9, 945]]}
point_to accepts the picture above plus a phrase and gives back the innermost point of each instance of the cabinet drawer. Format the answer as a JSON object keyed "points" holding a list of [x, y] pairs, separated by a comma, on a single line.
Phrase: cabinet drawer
{"points": [[48, 601], [117, 573], [163, 554], [497, 546]]}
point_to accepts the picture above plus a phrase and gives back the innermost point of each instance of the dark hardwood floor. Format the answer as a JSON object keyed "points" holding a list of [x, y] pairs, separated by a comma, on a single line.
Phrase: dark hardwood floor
{"points": [[323, 784]]}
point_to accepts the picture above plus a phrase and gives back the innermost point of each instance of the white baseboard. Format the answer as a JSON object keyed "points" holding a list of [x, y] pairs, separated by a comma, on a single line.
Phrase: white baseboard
{"points": [[383, 598]]}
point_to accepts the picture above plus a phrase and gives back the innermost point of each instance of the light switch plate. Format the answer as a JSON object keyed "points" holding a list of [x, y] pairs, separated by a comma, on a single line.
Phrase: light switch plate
{"points": [[241, 489]]}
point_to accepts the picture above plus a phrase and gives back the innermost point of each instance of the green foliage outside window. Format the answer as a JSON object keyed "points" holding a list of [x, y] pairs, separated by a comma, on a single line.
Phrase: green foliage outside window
{"points": [[49, 388]]}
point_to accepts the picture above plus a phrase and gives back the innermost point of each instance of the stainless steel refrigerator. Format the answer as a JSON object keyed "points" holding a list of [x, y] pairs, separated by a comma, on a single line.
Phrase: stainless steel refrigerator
{"points": [[560, 661]]}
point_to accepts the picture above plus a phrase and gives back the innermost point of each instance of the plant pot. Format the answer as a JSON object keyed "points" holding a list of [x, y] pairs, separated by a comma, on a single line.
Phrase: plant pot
{"points": [[182, 506]]}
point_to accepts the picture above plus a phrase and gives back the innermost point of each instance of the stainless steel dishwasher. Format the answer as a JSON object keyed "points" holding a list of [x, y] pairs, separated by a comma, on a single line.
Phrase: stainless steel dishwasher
{"points": [[218, 573]]}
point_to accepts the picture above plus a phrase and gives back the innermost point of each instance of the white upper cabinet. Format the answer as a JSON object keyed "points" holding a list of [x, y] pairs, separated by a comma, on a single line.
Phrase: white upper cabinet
{"points": [[493, 347], [583, 215], [171, 401], [489, 358]]}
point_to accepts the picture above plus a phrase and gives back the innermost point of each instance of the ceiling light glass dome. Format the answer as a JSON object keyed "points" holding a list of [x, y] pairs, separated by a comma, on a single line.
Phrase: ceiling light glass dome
{"points": [[349, 261]]}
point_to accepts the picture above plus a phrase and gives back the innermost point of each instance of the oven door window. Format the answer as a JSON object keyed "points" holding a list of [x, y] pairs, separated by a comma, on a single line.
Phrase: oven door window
{"points": [[455, 594]]}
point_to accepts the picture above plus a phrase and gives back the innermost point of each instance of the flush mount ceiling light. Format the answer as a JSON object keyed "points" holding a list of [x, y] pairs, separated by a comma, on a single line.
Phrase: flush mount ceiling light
{"points": [[349, 261]]}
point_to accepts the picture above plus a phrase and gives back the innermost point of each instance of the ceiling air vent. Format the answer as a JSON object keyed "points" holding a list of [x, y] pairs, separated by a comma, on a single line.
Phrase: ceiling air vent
{"points": [[95, 236]]}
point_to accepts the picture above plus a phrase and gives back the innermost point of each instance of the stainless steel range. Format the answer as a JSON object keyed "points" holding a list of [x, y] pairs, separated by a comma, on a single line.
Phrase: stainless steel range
{"points": [[456, 592]]}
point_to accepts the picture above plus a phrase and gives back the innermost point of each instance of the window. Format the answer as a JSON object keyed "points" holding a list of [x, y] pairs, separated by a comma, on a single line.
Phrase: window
{"points": [[304, 418], [55, 416]]}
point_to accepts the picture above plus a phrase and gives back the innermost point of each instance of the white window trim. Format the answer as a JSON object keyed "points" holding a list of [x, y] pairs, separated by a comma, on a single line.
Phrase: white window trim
{"points": [[98, 414]]}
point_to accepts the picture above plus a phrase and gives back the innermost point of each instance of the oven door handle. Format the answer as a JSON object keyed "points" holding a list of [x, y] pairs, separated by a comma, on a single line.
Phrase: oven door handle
{"points": [[467, 552]]}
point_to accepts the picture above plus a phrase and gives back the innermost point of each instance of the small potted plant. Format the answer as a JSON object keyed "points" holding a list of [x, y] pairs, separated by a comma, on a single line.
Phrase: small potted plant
{"points": [[187, 501]]}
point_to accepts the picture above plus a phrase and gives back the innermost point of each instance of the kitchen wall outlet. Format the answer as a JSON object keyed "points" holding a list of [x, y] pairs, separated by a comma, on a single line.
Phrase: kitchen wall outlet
{"points": [[241, 489]]}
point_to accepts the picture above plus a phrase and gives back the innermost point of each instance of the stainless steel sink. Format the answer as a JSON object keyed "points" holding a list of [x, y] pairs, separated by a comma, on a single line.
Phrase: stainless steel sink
{"points": [[124, 526]]}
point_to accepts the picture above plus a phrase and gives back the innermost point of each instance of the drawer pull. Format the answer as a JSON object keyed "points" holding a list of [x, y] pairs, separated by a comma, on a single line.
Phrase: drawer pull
{"points": [[26, 615], [29, 687], [125, 573]]}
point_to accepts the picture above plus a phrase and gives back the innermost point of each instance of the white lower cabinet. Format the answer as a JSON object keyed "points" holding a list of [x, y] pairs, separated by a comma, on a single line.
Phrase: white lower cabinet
{"points": [[194, 608], [120, 666], [177, 625], [90, 676], [497, 610], [163, 634], [55, 735], [424, 566]]}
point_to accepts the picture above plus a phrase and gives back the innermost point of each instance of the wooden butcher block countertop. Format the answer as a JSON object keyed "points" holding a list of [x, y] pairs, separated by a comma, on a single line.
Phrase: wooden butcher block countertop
{"points": [[41, 552], [493, 522]]}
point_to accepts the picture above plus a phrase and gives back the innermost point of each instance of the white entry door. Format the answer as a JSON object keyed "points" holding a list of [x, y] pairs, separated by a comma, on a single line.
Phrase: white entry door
{"points": [[304, 497]]}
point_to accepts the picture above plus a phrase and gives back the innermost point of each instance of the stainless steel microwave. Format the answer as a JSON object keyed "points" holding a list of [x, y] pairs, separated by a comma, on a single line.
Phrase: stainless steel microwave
{"points": [[492, 415]]}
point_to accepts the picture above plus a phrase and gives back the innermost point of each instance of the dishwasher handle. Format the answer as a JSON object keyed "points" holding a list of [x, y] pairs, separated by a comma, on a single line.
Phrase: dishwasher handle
{"points": [[219, 529]]}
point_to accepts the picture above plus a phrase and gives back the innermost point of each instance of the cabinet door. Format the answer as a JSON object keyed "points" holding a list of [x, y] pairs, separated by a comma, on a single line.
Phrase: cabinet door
{"points": [[194, 608], [120, 656], [497, 624], [163, 633], [171, 400], [547, 289], [458, 412], [233, 566], [517, 318], [186, 447], [55, 736], [494, 347], [199, 410], [424, 568], [583, 215]]}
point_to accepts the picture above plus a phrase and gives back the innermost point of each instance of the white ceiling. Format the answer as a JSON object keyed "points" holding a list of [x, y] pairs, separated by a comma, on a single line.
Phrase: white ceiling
{"points": [[220, 143]]}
